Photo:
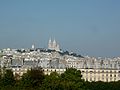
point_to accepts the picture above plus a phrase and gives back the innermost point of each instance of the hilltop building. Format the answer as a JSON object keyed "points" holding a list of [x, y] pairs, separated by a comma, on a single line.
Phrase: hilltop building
{"points": [[53, 45]]}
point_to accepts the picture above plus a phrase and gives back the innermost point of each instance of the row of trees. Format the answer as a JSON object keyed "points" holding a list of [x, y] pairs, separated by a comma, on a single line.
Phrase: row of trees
{"points": [[35, 79]]}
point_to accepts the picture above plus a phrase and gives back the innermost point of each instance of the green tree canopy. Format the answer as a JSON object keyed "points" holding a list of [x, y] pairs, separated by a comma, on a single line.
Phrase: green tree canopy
{"points": [[8, 78], [72, 79], [32, 79]]}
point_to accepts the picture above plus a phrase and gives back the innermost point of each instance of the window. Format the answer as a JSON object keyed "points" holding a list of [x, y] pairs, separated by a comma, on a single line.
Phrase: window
{"points": [[98, 72], [90, 79], [94, 79], [102, 75], [94, 72], [83, 71], [107, 79], [111, 65], [91, 71], [87, 72], [102, 78], [110, 79], [86, 79], [110, 75]]}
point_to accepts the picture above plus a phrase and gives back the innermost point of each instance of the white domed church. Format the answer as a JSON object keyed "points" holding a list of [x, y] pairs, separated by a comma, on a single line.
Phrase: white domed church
{"points": [[53, 45]]}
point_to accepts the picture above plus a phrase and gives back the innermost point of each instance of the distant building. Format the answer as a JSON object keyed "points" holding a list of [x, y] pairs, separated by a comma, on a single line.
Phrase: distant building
{"points": [[53, 45], [33, 46]]}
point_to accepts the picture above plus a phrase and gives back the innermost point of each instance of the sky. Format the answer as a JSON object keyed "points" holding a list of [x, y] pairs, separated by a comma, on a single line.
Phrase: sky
{"points": [[86, 27]]}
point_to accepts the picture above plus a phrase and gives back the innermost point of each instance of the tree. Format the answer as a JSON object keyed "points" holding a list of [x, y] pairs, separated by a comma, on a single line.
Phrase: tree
{"points": [[71, 79], [8, 78], [51, 82], [72, 74], [32, 79]]}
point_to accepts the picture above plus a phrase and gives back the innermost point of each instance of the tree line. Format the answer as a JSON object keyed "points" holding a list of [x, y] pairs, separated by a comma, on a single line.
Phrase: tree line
{"points": [[35, 79]]}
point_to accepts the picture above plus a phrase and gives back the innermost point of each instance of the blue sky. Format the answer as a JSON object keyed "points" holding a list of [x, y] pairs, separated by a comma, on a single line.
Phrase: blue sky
{"points": [[88, 27]]}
